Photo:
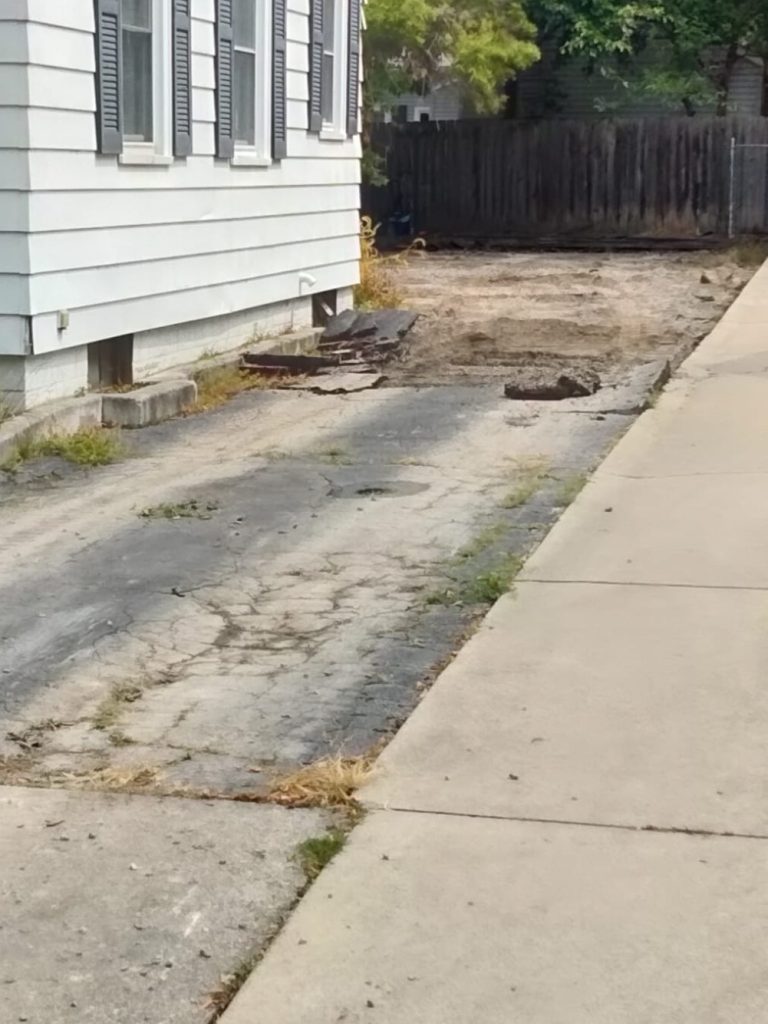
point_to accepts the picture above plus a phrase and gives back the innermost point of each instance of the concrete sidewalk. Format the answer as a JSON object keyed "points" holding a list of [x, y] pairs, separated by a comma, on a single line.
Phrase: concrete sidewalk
{"points": [[571, 828]]}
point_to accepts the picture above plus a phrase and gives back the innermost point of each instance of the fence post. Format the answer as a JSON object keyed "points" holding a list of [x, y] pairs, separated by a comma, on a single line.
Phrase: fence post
{"points": [[732, 191]]}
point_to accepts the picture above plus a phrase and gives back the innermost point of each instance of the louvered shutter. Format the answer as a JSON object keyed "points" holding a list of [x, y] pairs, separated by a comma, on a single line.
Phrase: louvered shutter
{"points": [[316, 66], [109, 45], [353, 77], [225, 60], [279, 80], [182, 78]]}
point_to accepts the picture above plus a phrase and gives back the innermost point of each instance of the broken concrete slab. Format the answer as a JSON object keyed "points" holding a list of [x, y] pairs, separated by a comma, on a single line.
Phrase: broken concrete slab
{"points": [[340, 383], [382, 324], [282, 364], [147, 405], [371, 336], [436, 919], [545, 385], [131, 908]]}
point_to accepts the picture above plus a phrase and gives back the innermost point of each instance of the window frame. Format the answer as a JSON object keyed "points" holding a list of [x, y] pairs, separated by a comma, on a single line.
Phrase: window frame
{"points": [[260, 153], [160, 149], [335, 129]]}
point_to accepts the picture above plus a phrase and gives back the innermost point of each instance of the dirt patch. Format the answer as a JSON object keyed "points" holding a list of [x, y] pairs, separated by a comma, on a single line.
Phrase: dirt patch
{"points": [[484, 313]]}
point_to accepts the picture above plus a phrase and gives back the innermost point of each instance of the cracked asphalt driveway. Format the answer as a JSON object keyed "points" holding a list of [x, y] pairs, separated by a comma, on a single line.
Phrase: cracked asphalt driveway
{"points": [[294, 615]]}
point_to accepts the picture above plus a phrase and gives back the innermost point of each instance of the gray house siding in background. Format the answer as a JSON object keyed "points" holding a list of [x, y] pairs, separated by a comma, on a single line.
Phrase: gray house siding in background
{"points": [[565, 89]]}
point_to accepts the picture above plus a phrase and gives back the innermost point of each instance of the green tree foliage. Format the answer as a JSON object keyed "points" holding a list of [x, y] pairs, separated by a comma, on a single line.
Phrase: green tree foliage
{"points": [[698, 41], [412, 45]]}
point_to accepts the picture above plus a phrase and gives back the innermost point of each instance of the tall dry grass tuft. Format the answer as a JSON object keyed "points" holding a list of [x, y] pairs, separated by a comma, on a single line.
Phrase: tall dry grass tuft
{"points": [[378, 287]]}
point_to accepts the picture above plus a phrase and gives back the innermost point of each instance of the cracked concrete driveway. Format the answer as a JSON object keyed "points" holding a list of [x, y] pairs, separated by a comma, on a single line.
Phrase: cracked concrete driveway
{"points": [[335, 551]]}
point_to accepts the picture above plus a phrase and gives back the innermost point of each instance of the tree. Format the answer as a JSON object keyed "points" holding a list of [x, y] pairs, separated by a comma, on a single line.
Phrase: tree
{"points": [[413, 45], [698, 41]]}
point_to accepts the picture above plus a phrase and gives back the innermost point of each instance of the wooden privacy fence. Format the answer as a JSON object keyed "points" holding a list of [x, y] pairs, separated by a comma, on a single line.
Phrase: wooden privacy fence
{"points": [[659, 177]]}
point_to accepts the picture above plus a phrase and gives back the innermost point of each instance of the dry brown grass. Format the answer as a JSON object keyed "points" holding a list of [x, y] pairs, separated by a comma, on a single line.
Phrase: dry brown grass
{"points": [[216, 385], [124, 779], [330, 782], [17, 770], [378, 287], [26, 771]]}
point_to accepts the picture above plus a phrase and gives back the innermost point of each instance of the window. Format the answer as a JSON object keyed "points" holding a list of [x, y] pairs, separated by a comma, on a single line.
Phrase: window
{"points": [[138, 76], [143, 79], [330, 45], [244, 33], [335, 17], [146, 77], [251, 92]]}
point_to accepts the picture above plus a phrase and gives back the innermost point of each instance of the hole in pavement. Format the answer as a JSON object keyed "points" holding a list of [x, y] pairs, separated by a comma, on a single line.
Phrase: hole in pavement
{"points": [[378, 489], [546, 385]]}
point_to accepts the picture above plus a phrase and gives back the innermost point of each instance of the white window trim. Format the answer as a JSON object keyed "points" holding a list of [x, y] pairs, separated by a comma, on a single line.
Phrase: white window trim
{"points": [[335, 130], [160, 151], [260, 154]]}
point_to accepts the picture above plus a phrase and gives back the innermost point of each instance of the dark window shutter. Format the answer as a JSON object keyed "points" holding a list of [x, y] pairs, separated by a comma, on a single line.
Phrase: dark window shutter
{"points": [[109, 45], [316, 65], [279, 80], [182, 78], [353, 83], [225, 60]]}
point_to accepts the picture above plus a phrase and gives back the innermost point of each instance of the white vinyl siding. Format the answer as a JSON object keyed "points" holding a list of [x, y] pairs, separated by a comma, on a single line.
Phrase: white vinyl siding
{"points": [[14, 179], [131, 248]]}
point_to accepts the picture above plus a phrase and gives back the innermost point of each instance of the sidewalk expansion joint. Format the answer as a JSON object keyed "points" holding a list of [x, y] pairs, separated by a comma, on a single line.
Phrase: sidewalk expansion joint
{"points": [[660, 584], [661, 829]]}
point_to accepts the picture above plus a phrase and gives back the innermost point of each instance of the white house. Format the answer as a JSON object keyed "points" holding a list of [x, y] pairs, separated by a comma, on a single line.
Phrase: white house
{"points": [[176, 176]]}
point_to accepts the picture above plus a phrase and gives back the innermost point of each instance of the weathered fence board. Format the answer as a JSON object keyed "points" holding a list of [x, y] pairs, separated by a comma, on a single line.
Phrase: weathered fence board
{"points": [[654, 177]]}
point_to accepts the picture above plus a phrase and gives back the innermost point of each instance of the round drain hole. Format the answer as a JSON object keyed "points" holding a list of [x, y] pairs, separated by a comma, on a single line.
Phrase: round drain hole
{"points": [[378, 489]]}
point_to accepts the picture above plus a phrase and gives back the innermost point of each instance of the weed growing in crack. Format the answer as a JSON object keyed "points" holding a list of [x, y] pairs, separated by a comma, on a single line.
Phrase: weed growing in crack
{"points": [[443, 597], [570, 489], [109, 711], [484, 540], [216, 385], [489, 586], [334, 455], [316, 853], [119, 739], [91, 446], [530, 476], [192, 509], [483, 589]]}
